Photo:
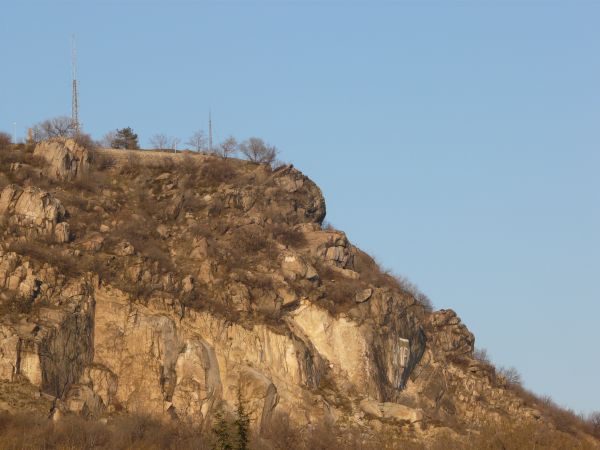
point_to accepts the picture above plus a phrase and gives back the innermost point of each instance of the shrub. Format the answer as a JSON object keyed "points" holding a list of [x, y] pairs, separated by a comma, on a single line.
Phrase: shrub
{"points": [[290, 237], [102, 162], [132, 166], [5, 141], [217, 171], [85, 140], [511, 375], [481, 355]]}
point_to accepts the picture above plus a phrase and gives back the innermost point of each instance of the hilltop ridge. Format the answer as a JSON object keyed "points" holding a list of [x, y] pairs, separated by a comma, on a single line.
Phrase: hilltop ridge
{"points": [[175, 284]]}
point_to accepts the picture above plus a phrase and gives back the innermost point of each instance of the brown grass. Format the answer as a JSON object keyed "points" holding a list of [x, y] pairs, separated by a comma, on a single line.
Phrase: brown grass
{"points": [[125, 432], [288, 236]]}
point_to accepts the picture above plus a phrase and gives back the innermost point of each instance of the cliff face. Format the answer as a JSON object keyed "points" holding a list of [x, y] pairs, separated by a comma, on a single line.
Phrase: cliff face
{"points": [[163, 284]]}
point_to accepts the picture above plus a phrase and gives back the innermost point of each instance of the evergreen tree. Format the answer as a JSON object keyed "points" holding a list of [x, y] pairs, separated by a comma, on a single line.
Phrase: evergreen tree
{"points": [[125, 138], [242, 423], [221, 431]]}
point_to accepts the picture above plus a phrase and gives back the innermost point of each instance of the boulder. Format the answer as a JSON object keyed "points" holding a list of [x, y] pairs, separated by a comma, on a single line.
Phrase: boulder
{"points": [[66, 159], [124, 249], [363, 295]]}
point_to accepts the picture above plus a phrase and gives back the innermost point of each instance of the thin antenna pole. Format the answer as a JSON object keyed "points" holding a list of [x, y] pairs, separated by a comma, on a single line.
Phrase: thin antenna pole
{"points": [[210, 142], [74, 98], [14, 132]]}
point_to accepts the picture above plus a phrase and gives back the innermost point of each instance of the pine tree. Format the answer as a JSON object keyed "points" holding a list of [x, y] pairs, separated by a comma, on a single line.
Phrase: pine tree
{"points": [[221, 431], [242, 423], [125, 138]]}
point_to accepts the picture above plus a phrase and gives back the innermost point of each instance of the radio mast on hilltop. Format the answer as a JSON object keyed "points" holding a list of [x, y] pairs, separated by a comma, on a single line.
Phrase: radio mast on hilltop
{"points": [[74, 99]]}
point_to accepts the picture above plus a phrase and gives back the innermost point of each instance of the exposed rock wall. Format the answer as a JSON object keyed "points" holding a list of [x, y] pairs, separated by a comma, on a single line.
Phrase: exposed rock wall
{"points": [[34, 212], [184, 291]]}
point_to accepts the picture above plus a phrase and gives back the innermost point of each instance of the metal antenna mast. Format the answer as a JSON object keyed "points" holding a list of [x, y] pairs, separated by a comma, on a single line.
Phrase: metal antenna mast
{"points": [[210, 143], [74, 99]]}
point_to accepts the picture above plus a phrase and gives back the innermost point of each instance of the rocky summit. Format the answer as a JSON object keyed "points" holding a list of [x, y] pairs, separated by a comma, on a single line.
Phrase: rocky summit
{"points": [[184, 286]]}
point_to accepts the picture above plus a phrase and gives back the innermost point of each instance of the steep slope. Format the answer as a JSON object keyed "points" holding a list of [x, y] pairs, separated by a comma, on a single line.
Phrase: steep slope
{"points": [[166, 284]]}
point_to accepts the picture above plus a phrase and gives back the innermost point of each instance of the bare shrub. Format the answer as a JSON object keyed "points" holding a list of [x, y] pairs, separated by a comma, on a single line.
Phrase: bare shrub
{"points": [[249, 240], [217, 171], [594, 422], [5, 141], [54, 256], [290, 237], [412, 289], [283, 434], [481, 354], [132, 166], [20, 431], [511, 375], [102, 162], [85, 140]]}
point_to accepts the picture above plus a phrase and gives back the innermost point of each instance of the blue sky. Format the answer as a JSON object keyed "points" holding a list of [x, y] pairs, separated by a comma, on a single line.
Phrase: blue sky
{"points": [[458, 142]]}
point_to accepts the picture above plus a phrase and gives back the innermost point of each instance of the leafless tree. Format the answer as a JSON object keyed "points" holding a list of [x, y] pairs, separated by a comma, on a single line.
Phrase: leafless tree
{"points": [[228, 147], [56, 127], [197, 141], [5, 140], [481, 354], [256, 150], [594, 420], [107, 139], [512, 375], [159, 141]]}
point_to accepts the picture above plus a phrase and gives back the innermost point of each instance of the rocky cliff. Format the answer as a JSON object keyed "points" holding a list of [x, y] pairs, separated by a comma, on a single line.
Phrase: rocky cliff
{"points": [[165, 284]]}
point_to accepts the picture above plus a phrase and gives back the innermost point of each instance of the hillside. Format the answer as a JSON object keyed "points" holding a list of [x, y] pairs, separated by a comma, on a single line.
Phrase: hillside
{"points": [[148, 291]]}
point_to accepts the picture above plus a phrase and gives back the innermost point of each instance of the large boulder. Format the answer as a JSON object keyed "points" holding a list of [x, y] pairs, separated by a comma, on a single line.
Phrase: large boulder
{"points": [[66, 159]]}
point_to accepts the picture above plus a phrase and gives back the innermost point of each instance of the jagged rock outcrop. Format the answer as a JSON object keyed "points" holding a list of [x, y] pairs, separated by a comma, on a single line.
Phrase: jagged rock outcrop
{"points": [[34, 212], [66, 159]]}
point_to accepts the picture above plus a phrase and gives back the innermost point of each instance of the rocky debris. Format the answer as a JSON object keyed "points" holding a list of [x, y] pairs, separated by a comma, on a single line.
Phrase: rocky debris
{"points": [[187, 284], [93, 244], [287, 296], [124, 248], [294, 266], [391, 411], [84, 401], [199, 249], [363, 295], [66, 159], [35, 211]]}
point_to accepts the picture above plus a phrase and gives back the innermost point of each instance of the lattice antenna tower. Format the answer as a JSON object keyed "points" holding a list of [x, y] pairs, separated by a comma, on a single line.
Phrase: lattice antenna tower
{"points": [[74, 97], [210, 142]]}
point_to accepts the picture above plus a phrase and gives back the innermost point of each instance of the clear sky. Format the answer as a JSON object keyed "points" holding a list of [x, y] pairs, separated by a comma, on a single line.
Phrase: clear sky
{"points": [[458, 142]]}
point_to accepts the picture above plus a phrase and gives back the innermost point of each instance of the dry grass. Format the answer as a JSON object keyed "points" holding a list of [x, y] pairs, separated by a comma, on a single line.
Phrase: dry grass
{"points": [[35, 431], [288, 236], [124, 432], [54, 256]]}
